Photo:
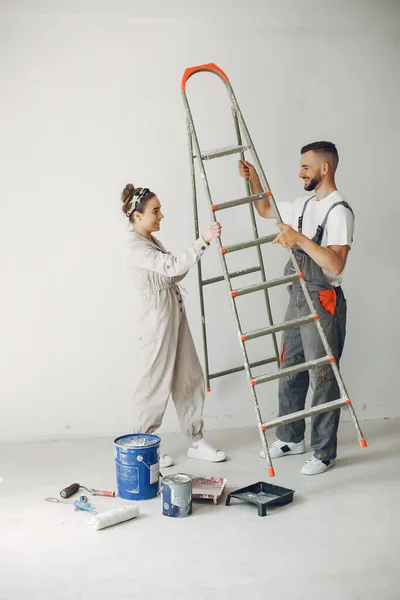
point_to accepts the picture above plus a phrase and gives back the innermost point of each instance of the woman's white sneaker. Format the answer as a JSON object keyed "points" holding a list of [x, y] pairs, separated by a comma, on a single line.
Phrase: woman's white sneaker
{"points": [[166, 461], [314, 466], [203, 450], [279, 448]]}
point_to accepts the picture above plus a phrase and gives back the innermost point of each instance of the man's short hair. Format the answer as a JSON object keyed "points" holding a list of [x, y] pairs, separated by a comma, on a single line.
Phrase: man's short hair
{"points": [[327, 148]]}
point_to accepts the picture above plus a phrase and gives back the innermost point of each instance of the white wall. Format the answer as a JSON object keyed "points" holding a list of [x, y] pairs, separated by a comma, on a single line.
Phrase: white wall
{"points": [[90, 100]]}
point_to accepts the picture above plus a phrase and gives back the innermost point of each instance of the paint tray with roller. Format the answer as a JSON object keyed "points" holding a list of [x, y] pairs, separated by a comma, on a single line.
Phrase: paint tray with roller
{"points": [[207, 488], [263, 495]]}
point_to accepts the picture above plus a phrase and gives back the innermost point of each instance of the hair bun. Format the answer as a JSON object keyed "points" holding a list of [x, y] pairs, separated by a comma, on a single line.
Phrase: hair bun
{"points": [[127, 192]]}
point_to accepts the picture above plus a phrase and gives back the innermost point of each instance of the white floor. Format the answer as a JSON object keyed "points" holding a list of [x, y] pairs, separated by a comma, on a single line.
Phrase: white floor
{"points": [[338, 540]]}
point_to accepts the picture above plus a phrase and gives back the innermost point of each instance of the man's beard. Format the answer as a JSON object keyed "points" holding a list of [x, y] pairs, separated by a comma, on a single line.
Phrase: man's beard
{"points": [[311, 185]]}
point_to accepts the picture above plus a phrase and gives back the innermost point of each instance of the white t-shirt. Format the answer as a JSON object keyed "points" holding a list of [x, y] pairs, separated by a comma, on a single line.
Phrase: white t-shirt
{"points": [[339, 228]]}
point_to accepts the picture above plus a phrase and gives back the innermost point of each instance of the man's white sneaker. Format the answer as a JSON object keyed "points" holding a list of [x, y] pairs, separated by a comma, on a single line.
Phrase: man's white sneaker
{"points": [[165, 461], [314, 466], [279, 448], [203, 450]]}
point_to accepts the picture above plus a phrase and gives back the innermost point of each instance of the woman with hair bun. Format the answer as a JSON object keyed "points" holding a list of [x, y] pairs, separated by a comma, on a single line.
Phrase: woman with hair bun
{"points": [[167, 362]]}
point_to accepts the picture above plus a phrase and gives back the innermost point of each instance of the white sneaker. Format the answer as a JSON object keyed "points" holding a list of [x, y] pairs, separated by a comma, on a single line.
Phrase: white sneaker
{"points": [[166, 461], [314, 466], [203, 450], [280, 448]]}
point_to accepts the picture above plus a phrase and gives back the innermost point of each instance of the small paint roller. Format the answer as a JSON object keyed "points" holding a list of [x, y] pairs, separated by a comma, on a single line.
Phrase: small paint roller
{"points": [[74, 487]]}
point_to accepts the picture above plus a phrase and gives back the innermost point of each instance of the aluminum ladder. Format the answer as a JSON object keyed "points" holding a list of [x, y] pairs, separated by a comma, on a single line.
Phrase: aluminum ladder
{"points": [[242, 133]]}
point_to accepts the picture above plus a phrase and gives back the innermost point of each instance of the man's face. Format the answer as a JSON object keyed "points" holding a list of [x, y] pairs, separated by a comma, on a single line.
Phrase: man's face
{"points": [[310, 170]]}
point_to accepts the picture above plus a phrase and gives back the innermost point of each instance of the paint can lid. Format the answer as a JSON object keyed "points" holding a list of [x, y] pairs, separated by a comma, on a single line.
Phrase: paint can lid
{"points": [[137, 440], [177, 479]]}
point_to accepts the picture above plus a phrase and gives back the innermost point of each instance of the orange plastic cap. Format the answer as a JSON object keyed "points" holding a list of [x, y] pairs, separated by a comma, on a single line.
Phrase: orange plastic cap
{"points": [[363, 443], [213, 207], [244, 338], [264, 427], [223, 250], [348, 402], [233, 294], [271, 472], [212, 67], [332, 359], [269, 193], [208, 389], [253, 382], [316, 317], [300, 275]]}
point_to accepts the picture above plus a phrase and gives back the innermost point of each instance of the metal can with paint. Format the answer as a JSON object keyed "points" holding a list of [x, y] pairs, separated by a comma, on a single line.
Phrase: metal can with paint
{"points": [[176, 495], [137, 465]]}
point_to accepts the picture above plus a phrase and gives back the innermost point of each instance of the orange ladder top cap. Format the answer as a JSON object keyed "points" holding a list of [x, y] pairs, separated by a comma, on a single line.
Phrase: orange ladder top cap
{"points": [[207, 67]]}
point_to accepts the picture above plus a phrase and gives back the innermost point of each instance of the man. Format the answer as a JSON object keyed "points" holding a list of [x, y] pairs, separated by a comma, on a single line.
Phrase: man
{"points": [[319, 227]]}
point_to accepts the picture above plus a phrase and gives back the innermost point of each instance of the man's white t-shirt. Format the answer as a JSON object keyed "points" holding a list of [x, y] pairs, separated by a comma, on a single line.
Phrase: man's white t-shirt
{"points": [[339, 228]]}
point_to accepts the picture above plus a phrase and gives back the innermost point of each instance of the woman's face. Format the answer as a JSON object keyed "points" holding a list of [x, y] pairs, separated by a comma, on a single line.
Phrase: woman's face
{"points": [[150, 219]]}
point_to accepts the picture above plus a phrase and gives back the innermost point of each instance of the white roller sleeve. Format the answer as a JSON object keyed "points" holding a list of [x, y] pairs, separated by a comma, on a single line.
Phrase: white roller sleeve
{"points": [[114, 516]]}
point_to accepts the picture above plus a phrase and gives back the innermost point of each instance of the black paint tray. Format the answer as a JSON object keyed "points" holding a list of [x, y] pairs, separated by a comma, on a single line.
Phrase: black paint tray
{"points": [[262, 494]]}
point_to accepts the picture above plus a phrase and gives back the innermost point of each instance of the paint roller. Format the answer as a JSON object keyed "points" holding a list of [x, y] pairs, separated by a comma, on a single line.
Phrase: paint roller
{"points": [[74, 487], [101, 520], [113, 516]]}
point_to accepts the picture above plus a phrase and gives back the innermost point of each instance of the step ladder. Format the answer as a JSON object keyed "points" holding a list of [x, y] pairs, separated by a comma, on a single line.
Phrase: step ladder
{"points": [[240, 148]]}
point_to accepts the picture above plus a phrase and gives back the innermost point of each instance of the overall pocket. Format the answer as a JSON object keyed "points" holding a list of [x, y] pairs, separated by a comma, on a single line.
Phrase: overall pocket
{"points": [[327, 299]]}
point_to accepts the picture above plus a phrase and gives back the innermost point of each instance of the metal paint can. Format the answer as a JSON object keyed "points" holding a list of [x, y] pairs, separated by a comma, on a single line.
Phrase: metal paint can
{"points": [[176, 495], [137, 465]]}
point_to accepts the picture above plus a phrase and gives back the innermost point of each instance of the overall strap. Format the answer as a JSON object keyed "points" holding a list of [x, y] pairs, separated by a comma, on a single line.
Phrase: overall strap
{"points": [[300, 221], [321, 228]]}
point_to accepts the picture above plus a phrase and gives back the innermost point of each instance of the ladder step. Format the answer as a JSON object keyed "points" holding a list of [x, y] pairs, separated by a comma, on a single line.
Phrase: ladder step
{"points": [[235, 274], [307, 366], [239, 201], [275, 328], [258, 363], [218, 152], [256, 242], [265, 285], [302, 414]]}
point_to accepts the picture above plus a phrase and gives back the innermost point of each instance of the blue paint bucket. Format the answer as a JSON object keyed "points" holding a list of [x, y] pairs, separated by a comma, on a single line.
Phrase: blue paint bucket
{"points": [[136, 461]]}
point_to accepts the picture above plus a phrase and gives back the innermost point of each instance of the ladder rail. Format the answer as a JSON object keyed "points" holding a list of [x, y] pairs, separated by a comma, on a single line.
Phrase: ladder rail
{"points": [[194, 142], [199, 269], [278, 218]]}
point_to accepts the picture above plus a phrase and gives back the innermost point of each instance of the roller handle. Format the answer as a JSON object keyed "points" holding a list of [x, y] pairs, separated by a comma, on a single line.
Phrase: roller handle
{"points": [[102, 493]]}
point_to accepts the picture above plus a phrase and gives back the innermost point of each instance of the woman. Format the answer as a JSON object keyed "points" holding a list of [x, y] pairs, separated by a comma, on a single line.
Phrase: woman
{"points": [[167, 362]]}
